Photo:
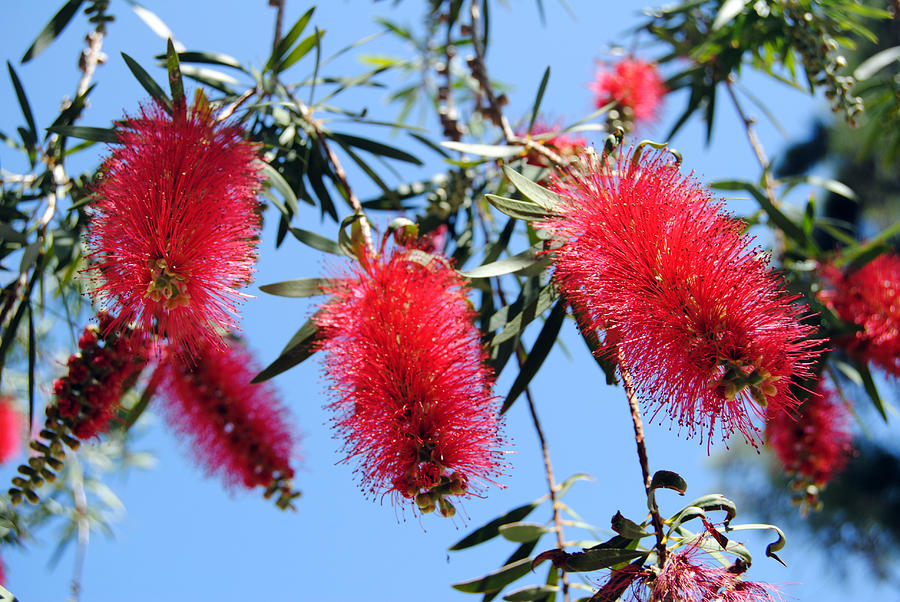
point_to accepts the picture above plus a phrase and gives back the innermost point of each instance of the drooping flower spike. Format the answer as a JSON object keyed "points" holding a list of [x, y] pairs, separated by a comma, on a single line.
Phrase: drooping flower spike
{"points": [[814, 443], [412, 394], [869, 298], [692, 312], [175, 225], [235, 429]]}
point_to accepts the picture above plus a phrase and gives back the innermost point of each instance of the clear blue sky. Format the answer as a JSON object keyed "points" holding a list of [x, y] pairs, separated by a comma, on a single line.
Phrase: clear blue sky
{"points": [[184, 537]]}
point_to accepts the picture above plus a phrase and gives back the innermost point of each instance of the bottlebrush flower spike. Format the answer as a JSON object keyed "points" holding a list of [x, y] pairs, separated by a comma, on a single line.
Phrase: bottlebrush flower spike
{"points": [[412, 393], [696, 316], [869, 298], [175, 224], [86, 399], [816, 443], [236, 429], [10, 429], [634, 85]]}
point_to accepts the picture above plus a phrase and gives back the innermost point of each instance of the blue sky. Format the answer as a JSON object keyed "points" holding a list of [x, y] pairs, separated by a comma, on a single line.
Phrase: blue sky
{"points": [[184, 537]]}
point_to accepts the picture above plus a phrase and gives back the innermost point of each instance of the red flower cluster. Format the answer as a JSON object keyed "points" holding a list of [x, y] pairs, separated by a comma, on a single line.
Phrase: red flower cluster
{"points": [[413, 396], [10, 429], [816, 443], [237, 429], [567, 146], [176, 224], [694, 314], [86, 398], [869, 298], [634, 85], [685, 578]]}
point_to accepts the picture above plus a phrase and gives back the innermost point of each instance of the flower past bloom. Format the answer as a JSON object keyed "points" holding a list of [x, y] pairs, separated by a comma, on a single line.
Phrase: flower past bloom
{"points": [[634, 85], [687, 307], [814, 443], [175, 224], [869, 298], [235, 429], [11, 426], [108, 361], [412, 393]]}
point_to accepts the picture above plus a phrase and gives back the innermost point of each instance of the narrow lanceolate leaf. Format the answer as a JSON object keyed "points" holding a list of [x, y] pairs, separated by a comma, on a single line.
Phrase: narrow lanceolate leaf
{"points": [[542, 346], [492, 529], [519, 209], [540, 96], [730, 9], [301, 50], [376, 148], [23, 104], [52, 29], [532, 592], [516, 264], [593, 559], [523, 532], [876, 63], [301, 346], [627, 528], [515, 324], [317, 241], [302, 287], [668, 480], [173, 66], [209, 58], [773, 547], [288, 40], [148, 83], [872, 389], [280, 184], [546, 199], [107, 135], [485, 150], [497, 580]]}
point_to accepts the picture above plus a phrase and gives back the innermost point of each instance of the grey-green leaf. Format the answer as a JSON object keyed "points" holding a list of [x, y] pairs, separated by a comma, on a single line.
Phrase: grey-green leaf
{"points": [[301, 287], [497, 580], [523, 532]]}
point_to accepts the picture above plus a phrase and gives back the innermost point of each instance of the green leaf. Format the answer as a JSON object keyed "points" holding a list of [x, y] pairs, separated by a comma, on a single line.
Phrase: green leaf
{"points": [[668, 480], [497, 580], [24, 105], [539, 352], [376, 148], [523, 532], [107, 135], [773, 547], [871, 389], [592, 559], [176, 84], [713, 501], [517, 323], [492, 529], [546, 199], [317, 241], [876, 63], [485, 150], [301, 287], [776, 216], [540, 96], [515, 264], [524, 210], [52, 29], [208, 58], [627, 528], [301, 346], [280, 184], [532, 592], [148, 83], [288, 40], [301, 50], [567, 484]]}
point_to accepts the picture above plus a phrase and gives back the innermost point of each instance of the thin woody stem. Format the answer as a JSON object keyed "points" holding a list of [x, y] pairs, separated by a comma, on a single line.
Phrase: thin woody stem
{"points": [[655, 517], [495, 106], [755, 143], [279, 20], [545, 451]]}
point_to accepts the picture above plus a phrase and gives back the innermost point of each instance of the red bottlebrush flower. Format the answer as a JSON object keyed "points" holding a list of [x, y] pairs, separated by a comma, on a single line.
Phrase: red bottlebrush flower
{"points": [[634, 85], [236, 429], [175, 227], [567, 145], [816, 443], [413, 395], [10, 429], [869, 298], [696, 316], [87, 397]]}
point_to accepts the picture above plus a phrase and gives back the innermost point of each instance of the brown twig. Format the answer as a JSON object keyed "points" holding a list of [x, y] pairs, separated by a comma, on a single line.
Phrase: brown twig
{"points": [[755, 143], [279, 20], [655, 518], [495, 104]]}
